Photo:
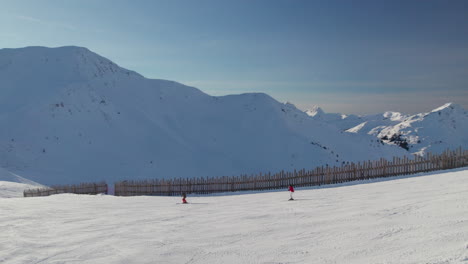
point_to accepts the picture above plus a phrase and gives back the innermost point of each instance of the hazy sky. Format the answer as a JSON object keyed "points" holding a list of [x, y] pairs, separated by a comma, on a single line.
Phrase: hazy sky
{"points": [[345, 56]]}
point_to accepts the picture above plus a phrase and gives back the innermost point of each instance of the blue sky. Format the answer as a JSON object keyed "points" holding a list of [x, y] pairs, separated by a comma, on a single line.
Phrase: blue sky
{"points": [[345, 56]]}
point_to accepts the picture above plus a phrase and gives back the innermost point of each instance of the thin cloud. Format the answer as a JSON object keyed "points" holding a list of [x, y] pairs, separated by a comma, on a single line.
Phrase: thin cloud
{"points": [[44, 22], [29, 18]]}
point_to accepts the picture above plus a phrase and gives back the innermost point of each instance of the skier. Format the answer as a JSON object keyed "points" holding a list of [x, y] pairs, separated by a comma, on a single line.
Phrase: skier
{"points": [[291, 191], [183, 198]]}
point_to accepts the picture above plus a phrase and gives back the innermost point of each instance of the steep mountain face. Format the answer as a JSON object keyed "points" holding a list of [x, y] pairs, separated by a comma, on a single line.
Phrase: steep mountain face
{"points": [[443, 128], [69, 115]]}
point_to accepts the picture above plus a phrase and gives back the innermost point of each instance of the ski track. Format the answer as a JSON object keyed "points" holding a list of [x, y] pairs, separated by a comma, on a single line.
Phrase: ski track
{"points": [[408, 220]]}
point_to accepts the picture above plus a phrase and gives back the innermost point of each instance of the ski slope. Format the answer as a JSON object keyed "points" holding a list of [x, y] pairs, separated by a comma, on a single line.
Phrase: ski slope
{"points": [[421, 219]]}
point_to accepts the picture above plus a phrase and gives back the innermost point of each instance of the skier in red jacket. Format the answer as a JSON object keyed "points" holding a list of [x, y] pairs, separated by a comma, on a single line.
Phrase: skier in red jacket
{"points": [[183, 198], [291, 191]]}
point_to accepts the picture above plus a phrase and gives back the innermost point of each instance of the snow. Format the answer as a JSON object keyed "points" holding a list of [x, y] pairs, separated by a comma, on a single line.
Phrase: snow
{"points": [[13, 189], [442, 128], [315, 111], [74, 116], [357, 128], [394, 116], [12, 185], [447, 107], [417, 219], [436, 131], [340, 121]]}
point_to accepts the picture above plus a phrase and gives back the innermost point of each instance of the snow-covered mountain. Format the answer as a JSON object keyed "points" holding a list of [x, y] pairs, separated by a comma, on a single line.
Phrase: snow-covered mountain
{"points": [[341, 121], [445, 127], [70, 115], [355, 123]]}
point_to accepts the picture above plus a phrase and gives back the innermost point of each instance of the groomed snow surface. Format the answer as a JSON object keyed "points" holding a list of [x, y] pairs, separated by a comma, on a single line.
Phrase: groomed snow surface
{"points": [[420, 219]]}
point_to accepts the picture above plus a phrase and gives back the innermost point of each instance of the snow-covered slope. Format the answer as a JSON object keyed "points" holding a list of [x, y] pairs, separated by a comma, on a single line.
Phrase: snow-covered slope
{"points": [[14, 189], [413, 220], [370, 122], [12, 185], [71, 115], [341, 121], [354, 123], [12, 177], [442, 128], [445, 127]]}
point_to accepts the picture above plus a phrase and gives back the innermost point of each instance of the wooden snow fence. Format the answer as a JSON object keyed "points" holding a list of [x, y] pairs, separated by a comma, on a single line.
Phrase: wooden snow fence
{"points": [[318, 176], [82, 188]]}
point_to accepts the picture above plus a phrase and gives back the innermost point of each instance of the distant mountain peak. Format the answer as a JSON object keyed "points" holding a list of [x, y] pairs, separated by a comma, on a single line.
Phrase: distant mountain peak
{"points": [[315, 111], [435, 131], [394, 116], [449, 107], [71, 61]]}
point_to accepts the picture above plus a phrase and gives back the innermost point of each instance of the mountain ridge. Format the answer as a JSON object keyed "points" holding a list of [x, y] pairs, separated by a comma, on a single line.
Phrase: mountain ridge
{"points": [[75, 116], [435, 131]]}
